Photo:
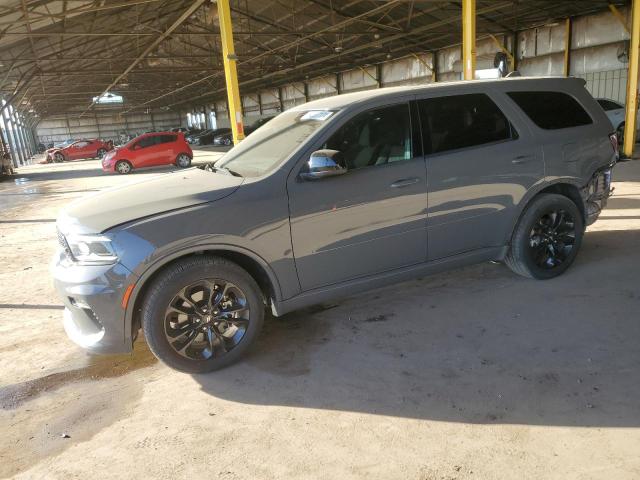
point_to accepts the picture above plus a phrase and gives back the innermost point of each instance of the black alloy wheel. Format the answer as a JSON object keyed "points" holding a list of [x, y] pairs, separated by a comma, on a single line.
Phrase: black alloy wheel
{"points": [[552, 238], [547, 238], [207, 319]]}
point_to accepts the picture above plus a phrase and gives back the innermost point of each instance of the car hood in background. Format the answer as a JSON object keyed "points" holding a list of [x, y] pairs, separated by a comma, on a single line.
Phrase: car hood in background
{"points": [[170, 191]]}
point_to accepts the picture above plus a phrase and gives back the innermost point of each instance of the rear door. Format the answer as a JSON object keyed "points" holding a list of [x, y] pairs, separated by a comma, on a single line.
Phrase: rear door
{"points": [[481, 161], [165, 149]]}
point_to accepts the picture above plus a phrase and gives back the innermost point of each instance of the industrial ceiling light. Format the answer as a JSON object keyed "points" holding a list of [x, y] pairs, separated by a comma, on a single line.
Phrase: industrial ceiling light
{"points": [[338, 49]]}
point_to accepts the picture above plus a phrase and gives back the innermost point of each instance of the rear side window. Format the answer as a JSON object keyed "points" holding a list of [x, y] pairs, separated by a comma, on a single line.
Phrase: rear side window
{"points": [[461, 121], [551, 110], [166, 138], [608, 105]]}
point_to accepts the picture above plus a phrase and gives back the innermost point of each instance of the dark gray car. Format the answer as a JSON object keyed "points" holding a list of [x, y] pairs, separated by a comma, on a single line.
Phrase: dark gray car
{"points": [[331, 198]]}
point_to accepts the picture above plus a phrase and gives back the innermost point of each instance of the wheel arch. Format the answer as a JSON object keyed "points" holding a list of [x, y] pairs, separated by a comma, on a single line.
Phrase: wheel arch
{"points": [[562, 187], [252, 263]]}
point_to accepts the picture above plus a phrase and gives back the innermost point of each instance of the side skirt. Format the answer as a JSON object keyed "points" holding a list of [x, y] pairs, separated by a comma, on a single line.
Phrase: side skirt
{"points": [[357, 285]]}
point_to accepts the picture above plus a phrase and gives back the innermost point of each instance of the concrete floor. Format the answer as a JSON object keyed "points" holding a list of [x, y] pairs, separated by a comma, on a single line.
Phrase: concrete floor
{"points": [[475, 373]]}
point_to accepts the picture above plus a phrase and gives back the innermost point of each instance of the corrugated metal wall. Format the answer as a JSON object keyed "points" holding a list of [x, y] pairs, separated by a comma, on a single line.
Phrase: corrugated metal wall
{"points": [[105, 125]]}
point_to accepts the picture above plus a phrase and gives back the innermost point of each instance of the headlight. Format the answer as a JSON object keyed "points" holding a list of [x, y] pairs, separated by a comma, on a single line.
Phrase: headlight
{"points": [[91, 249]]}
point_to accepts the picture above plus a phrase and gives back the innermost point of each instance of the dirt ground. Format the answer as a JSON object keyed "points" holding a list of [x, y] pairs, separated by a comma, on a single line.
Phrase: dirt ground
{"points": [[471, 374]]}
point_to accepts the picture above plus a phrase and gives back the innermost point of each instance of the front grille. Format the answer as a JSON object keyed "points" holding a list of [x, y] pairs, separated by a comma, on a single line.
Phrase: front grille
{"points": [[63, 243]]}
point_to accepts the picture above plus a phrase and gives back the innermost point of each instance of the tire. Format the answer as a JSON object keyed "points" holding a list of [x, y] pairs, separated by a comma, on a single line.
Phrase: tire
{"points": [[183, 160], [101, 153], [58, 157], [227, 141], [534, 238], [160, 321], [123, 167]]}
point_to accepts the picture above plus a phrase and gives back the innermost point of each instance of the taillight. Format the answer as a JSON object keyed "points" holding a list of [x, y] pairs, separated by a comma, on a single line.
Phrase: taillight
{"points": [[613, 138]]}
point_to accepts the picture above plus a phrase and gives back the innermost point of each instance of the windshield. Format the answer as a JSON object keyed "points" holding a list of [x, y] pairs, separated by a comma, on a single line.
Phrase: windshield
{"points": [[272, 143]]}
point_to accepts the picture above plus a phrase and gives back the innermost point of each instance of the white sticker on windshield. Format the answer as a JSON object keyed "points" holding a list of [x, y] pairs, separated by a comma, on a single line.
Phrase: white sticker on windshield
{"points": [[318, 115]]}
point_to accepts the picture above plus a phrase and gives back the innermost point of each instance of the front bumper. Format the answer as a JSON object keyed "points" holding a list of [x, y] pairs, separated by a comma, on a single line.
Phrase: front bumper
{"points": [[92, 295], [108, 164]]}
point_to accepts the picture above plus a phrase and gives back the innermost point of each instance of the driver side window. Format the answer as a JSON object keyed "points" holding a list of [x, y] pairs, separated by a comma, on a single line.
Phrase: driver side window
{"points": [[375, 137]]}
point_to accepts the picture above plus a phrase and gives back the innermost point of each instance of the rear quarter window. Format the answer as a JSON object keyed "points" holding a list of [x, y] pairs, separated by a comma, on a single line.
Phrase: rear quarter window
{"points": [[551, 110]]}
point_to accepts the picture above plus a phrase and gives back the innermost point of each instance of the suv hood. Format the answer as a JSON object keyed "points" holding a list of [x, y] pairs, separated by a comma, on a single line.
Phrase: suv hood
{"points": [[171, 191]]}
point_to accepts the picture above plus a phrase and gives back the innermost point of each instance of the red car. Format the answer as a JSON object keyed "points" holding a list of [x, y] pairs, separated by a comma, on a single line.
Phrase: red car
{"points": [[79, 150], [149, 150]]}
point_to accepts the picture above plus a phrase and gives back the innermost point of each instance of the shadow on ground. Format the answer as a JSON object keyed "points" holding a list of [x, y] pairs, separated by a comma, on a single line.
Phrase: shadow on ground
{"points": [[476, 345]]}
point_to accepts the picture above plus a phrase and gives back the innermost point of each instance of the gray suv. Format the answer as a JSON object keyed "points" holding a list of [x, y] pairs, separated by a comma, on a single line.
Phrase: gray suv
{"points": [[331, 198]]}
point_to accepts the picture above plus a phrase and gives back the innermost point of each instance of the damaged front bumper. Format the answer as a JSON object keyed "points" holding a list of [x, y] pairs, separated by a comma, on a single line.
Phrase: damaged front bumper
{"points": [[596, 193]]}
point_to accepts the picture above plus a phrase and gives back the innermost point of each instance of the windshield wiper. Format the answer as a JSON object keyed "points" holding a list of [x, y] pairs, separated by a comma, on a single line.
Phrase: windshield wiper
{"points": [[228, 171], [210, 167]]}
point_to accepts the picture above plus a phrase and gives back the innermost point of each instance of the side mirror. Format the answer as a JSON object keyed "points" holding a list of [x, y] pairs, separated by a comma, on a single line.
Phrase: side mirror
{"points": [[325, 163]]}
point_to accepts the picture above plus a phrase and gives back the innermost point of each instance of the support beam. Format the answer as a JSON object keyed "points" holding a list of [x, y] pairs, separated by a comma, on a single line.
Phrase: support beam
{"points": [[619, 17], [630, 126], [229, 59], [567, 47], [469, 38]]}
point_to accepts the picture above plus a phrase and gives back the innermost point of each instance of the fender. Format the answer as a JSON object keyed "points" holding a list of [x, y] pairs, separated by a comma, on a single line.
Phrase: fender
{"points": [[161, 262], [535, 190]]}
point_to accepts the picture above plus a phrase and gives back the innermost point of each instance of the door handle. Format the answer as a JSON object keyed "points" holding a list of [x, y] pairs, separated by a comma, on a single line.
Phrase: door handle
{"points": [[521, 159], [405, 182]]}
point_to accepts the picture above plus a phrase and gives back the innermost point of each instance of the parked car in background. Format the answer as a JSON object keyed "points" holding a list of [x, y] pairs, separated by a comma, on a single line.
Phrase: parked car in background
{"points": [[149, 150], [207, 137], [329, 199], [79, 150], [191, 137], [616, 113], [226, 138]]}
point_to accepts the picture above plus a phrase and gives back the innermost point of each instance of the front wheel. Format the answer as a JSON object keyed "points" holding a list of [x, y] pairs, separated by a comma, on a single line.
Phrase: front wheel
{"points": [[547, 238], [227, 141], [201, 314], [58, 157], [101, 152], [183, 160], [123, 167]]}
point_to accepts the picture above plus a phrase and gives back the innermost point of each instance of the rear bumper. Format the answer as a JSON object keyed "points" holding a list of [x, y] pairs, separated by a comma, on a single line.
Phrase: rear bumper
{"points": [[596, 193], [92, 295]]}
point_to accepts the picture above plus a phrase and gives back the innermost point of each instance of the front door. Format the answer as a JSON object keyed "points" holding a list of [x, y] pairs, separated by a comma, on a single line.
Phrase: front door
{"points": [[480, 164], [370, 219], [146, 151], [79, 150]]}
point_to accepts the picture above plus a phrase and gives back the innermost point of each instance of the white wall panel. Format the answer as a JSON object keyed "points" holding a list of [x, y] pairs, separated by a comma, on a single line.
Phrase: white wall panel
{"points": [[409, 70], [359, 79]]}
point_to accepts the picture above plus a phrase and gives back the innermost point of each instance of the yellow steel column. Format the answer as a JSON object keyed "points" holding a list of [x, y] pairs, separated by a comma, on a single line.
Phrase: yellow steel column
{"points": [[469, 38], [632, 82], [229, 59], [567, 47]]}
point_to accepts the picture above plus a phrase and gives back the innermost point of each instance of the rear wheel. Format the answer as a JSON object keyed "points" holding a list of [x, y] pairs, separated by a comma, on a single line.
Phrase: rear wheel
{"points": [[123, 167], [227, 141], [101, 152], [201, 314], [183, 160], [547, 238]]}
